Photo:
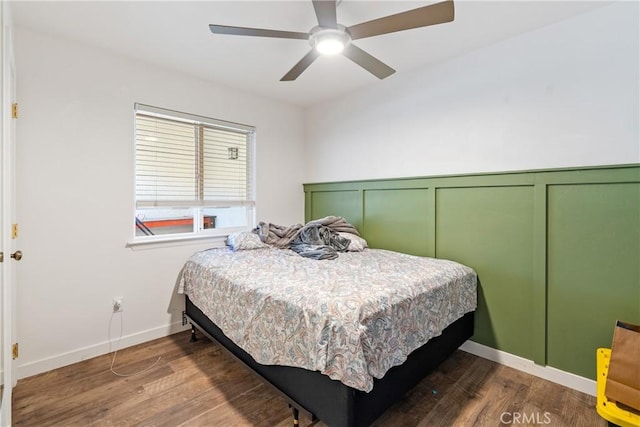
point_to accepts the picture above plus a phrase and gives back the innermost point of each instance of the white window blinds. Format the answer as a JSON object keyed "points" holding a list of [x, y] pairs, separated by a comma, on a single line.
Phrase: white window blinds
{"points": [[184, 160]]}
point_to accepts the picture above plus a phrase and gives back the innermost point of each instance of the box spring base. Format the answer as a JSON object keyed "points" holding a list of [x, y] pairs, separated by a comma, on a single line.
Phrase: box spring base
{"points": [[331, 401]]}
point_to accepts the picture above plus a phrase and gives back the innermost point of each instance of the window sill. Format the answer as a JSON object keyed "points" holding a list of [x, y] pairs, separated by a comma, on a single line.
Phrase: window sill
{"points": [[154, 242]]}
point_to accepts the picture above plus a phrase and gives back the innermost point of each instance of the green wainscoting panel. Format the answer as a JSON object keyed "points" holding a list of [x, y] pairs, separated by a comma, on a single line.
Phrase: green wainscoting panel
{"points": [[347, 203], [557, 251], [397, 220], [491, 230], [593, 269]]}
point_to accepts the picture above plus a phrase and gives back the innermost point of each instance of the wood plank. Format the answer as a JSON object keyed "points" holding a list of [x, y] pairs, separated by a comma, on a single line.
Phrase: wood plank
{"points": [[196, 384]]}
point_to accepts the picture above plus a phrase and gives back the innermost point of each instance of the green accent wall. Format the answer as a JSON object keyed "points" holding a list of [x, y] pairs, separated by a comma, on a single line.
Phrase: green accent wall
{"points": [[557, 251], [350, 203], [491, 230], [593, 268], [396, 220]]}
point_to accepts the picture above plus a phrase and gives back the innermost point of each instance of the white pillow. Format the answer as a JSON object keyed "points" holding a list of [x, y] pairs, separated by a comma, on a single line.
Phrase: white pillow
{"points": [[245, 240], [357, 243]]}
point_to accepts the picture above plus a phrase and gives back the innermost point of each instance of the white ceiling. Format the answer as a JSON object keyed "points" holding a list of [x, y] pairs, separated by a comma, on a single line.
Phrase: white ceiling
{"points": [[175, 35]]}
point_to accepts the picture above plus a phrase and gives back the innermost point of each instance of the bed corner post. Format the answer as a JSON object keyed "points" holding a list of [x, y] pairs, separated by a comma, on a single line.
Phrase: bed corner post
{"points": [[296, 415], [193, 334]]}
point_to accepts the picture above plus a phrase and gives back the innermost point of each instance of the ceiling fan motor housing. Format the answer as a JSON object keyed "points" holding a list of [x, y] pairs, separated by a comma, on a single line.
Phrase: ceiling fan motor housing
{"points": [[329, 40]]}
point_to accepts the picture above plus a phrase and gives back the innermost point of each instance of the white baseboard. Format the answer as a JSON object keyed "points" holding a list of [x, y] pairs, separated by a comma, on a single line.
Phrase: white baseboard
{"points": [[567, 379], [60, 360]]}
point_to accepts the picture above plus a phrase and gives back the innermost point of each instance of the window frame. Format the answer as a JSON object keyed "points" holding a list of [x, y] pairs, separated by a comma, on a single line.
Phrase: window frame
{"points": [[198, 234]]}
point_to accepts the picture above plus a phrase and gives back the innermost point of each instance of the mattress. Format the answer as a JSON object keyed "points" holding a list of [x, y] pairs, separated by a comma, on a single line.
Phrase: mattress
{"points": [[352, 318]]}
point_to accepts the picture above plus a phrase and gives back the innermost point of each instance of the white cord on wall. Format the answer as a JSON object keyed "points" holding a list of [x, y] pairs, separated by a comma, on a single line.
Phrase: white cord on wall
{"points": [[115, 353]]}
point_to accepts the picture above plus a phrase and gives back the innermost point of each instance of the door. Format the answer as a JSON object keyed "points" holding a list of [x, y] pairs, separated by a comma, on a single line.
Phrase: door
{"points": [[8, 234]]}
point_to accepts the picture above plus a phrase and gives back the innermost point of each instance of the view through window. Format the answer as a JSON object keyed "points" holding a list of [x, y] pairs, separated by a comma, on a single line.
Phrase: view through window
{"points": [[193, 174]]}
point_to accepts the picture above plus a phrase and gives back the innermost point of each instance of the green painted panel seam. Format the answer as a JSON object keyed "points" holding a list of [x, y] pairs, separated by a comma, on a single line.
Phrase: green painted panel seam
{"points": [[363, 205], [539, 291], [453, 182], [600, 176], [629, 175], [484, 180], [307, 207], [632, 169], [422, 186], [362, 216], [431, 222], [481, 184]]}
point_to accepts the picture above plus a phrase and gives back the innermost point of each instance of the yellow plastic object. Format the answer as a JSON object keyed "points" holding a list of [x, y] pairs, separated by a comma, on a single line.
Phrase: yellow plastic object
{"points": [[608, 409]]}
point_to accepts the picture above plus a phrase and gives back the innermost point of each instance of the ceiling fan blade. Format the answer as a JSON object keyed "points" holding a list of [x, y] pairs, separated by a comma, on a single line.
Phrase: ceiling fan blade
{"points": [[259, 32], [433, 14], [326, 13], [368, 62], [302, 65]]}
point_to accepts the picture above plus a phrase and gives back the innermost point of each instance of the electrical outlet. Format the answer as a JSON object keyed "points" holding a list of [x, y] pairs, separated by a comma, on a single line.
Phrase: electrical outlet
{"points": [[118, 304]]}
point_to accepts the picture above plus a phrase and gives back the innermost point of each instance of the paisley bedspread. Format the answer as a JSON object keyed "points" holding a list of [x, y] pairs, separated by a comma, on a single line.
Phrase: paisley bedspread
{"points": [[352, 318]]}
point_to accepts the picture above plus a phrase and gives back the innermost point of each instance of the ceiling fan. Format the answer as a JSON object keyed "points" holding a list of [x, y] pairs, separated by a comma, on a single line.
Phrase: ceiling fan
{"points": [[329, 37]]}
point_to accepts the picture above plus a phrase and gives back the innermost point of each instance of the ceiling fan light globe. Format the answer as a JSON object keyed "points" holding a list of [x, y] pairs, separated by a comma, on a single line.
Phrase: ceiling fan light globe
{"points": [[330, 46]]}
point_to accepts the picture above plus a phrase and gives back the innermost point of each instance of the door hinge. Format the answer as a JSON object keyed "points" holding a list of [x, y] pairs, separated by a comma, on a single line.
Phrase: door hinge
{"points": [[1, 256], [14, 110], [14, 231], [14, 351]]}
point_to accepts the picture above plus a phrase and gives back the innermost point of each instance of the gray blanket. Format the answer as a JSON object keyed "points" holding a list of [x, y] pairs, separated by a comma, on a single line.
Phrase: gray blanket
{"points": [[335, 223], [319, 242], [279, 236], [318, 239]]}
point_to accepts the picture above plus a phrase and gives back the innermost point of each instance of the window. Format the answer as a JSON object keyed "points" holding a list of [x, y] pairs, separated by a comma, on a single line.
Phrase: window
{"points": [[194, 175]]}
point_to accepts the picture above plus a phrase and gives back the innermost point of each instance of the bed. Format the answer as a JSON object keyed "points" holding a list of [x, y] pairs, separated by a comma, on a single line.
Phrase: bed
{"points": [[340, 339]]}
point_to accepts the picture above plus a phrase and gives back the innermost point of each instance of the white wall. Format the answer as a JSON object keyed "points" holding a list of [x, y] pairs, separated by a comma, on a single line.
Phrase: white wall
{"points": [[565, 95], [562, 96], [75, 194]]}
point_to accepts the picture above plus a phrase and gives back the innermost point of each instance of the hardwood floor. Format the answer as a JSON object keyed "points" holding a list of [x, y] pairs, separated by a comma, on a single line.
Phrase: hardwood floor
{"points": [[197, 384]]}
